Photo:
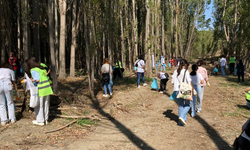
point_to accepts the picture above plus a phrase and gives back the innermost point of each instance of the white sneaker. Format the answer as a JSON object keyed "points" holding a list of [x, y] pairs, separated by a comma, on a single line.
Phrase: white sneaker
{"points": [[105, 95], [46, 122], [3, 123], [139, 86], [37, 123], [182, 121], [161, 92], [144, 84], [13, 121], [110, 94]]}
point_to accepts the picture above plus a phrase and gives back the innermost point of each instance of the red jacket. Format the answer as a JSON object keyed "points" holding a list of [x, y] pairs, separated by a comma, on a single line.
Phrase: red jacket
{"points": [[14, 62]]}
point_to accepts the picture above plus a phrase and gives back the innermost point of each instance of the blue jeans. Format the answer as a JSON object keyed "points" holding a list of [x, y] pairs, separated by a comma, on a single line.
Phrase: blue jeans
{"points": [[195, 97], [156, 67], [200, 98], [139, 75], [223, 70], [184, 106], [163, 66], [107, 84]]}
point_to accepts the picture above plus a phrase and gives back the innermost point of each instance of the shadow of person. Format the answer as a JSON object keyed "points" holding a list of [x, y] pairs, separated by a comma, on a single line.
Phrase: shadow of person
{"points": [[171, 115]]}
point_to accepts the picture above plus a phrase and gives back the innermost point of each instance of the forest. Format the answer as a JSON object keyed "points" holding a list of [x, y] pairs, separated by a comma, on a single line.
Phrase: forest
{"points": [[71, 35]]}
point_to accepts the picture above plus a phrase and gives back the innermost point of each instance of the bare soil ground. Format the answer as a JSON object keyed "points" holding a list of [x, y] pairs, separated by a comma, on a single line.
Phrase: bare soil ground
{"points": [[136, 119]]}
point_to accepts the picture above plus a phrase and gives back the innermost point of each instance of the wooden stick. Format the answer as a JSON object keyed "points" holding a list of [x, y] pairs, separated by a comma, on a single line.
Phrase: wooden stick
{"points": [[75, 117], [61, 127]]}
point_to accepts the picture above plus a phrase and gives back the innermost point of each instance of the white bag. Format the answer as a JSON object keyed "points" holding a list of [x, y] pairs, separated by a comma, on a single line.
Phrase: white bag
{"points": [[34, 100], [185, 91]]}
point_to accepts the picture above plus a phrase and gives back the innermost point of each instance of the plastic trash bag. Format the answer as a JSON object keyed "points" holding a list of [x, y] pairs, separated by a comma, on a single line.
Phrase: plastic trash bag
{"points": [[169, 64], [135, 68], [173, 96], [235, 71], [215, 70], [154, 85], [228, 67]]}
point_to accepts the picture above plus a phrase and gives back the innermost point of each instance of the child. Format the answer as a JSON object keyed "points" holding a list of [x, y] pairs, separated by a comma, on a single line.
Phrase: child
{"points": [[197, 80], [240, 71], [171, 61], [164, 79], [157, 65]]}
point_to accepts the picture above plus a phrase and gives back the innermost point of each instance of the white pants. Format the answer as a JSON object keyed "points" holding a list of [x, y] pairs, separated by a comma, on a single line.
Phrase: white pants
{"points": [[6, 88], [42, 110]]}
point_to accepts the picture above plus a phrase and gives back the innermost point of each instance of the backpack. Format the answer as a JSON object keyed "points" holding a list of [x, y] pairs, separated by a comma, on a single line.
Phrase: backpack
{"points": [[167, 76]]}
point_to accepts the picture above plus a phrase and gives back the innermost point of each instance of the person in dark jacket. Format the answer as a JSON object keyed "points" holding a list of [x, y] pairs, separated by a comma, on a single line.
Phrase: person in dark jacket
{"points": [[240, 71]]}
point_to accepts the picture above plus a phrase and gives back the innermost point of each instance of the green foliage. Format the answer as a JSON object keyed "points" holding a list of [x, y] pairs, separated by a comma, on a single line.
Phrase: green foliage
{"points": [[84, 122]]}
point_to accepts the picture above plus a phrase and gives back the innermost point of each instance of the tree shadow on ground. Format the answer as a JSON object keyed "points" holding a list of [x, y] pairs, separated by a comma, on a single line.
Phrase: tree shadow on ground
{"points": [[128, 133], [214, 135], [171, 115]]}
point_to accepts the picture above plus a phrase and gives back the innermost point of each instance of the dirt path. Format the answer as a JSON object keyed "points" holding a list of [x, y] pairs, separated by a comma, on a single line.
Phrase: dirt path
{"points": [[143, 119], [152, 121]]}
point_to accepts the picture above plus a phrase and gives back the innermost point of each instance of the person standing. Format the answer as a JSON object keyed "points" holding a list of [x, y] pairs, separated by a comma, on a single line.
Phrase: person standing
{"points": [[197, 80], [106, 71], [178, 76], [203, 72], [240, 71], [232, 64], [13, 61], [243, 141], [223, 63], [7, 78], [118, 70], [140, 64], [39, 76], [162, 63]]}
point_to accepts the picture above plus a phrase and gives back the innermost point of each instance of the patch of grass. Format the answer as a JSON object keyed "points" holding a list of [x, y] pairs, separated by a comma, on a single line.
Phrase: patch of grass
{"points": [[83, 122], [86, 112], [168, 69]]}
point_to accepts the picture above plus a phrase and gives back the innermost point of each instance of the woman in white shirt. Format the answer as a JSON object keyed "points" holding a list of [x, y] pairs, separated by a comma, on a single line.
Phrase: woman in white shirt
{"points": [[184, 105], [7, 78], [197, 80], [140, 64]]}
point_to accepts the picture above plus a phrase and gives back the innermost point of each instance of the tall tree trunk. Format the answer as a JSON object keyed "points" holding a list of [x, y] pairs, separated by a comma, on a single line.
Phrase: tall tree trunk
{"points": [[92, 42], [135, 29], [52, 46], [110, 34], [36, 29], [147, 42], [176, 29], [122, 39], [87, 50], [18, 30], [25, 29], [162, 29], [2, 41], [62, 71], [128, 36], [157, 25], [56, 34], [73, 41]]}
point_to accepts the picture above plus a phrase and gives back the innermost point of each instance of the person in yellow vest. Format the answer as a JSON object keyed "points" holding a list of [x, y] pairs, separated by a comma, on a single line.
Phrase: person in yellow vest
{"points": [[232, 64], [39, 76], [247, 95], [118, 70]]}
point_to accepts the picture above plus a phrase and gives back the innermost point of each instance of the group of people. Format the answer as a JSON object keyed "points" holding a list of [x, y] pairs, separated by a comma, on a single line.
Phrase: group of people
{"points": [[38, 74], [239, 70]]}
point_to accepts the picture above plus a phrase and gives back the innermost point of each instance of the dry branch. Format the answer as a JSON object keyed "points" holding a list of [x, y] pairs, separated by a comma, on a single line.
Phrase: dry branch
{"points": [[61, 127], [75, 117]]}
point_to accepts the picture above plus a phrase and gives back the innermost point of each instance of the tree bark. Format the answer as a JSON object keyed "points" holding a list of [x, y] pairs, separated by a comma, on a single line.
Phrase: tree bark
{"points": [[18, 30], [176, 28], [52, 45], [62, 71], [147, 42], [135, 29], [25, 29], [73, 40], [56, 34], [36, 29], [163, 30], [122, 39]]}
